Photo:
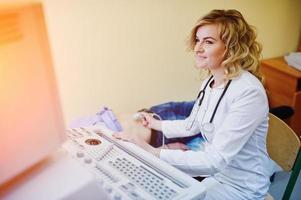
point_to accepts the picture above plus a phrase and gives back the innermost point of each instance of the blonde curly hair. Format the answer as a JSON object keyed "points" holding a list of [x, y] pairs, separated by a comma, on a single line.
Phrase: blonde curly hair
{"points": [[243, 52]]}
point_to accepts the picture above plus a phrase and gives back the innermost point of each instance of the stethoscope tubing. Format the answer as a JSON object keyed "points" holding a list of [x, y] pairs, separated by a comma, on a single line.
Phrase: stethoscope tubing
{"points": [[201, 96]]}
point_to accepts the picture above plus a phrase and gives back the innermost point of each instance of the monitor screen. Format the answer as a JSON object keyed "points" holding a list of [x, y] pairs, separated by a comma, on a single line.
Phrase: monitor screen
{"points": [[31, 122]]}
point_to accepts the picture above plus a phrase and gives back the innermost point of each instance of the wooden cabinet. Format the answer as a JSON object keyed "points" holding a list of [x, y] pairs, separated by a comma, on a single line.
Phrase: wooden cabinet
{"points": [[283, 84]]}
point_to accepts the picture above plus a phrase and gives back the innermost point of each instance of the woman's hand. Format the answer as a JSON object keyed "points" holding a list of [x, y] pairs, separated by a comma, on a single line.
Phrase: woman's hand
{"points": [[150, 122], [138, 141], [127, 137]]}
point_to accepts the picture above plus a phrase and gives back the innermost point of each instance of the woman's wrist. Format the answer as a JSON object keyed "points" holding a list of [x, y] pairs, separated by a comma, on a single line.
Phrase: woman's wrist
{"points": [[150, 149]]}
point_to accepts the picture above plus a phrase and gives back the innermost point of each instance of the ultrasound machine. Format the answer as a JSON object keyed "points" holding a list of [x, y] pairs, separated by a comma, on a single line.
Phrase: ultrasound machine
{"points": [[39, 157]]}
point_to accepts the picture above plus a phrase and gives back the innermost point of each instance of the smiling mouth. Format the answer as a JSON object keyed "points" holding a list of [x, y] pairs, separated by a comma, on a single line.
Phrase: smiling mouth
{"points": [[201, 57]]}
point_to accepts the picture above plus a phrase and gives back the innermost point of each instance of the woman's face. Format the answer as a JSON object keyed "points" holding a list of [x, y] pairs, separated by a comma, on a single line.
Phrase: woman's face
{"points": [[209, 48]]}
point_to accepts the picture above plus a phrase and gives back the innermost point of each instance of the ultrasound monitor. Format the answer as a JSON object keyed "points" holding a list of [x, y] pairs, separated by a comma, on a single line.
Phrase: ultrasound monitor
{"points": [[31, 121]]}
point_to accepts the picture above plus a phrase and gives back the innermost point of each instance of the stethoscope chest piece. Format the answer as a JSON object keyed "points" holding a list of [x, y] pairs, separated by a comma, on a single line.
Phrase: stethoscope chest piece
{"points": [[208, 128]]}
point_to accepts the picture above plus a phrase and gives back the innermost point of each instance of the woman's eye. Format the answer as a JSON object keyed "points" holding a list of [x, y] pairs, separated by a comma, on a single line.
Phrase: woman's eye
{"points": [[197, 40], [208, 42]]}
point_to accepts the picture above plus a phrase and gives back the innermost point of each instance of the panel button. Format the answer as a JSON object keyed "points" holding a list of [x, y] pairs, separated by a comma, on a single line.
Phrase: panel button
{"points": [[80, 154]]}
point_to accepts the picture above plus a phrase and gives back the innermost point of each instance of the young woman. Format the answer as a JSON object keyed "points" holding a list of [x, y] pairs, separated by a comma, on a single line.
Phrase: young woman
{"points": [[231, 113]]}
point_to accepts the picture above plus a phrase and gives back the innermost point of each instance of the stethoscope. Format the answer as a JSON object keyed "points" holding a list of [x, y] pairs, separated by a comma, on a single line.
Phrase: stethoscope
{"points": [[208, 127]]}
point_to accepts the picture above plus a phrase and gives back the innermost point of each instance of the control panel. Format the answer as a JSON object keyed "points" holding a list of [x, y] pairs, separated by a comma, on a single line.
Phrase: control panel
{"points": [[126, 171]]}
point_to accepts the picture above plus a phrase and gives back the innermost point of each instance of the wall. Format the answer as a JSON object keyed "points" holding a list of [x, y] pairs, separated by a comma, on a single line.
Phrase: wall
{"points": [[130, 54]]}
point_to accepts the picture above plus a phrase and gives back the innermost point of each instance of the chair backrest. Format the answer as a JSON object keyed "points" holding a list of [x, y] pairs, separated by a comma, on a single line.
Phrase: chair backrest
{"points": [[282, 143]]}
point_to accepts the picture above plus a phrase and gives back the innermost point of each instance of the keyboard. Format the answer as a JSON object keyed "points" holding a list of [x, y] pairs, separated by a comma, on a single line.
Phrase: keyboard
{"points": [[126, 171]]}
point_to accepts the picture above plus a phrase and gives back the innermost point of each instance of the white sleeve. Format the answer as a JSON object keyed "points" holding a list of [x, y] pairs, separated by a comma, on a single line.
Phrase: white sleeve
{"points": [[246, 113], [178, 128]]}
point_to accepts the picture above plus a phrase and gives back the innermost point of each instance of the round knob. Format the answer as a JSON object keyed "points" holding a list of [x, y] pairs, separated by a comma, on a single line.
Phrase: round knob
{"points": [[88, 160], [80, 154], [117, 196]]}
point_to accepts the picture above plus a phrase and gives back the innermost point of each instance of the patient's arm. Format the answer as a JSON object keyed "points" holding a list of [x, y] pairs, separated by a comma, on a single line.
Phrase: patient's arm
{"points": [[177, 145]]}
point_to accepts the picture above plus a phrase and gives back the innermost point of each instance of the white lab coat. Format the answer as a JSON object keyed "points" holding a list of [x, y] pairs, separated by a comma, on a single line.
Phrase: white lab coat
{"points": [[235, 158]]}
